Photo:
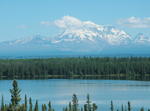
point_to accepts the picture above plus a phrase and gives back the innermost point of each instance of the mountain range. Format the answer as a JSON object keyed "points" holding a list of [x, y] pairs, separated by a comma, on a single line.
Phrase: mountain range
{"points": [[89, 40]]}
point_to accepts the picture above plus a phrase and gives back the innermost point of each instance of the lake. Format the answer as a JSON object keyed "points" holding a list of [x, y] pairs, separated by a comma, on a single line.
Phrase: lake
{"points": [[60, 91]]}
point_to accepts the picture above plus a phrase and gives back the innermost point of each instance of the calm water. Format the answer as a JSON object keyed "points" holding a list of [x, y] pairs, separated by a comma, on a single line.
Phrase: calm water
{"points": [[60, 91]]}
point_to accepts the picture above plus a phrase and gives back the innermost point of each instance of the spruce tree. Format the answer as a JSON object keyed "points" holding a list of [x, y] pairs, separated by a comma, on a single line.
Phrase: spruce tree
{"points": [[122, 108], [95, 106], [6, 107], [112, 107], [10, 108], [2, 104], [90, 109], [22, 108], [75, 103], [70, 108], [49, 105], [30, 102], [88, 102], [26, 107], [93, 109], [36, 106], [44, 108], [81, 109], [15, 97], [85, 107], [142, 109], [129, 107], [66, 109]]}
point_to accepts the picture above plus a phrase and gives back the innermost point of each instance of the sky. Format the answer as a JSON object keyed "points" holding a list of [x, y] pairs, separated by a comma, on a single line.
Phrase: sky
{"points": [[26, 18]]}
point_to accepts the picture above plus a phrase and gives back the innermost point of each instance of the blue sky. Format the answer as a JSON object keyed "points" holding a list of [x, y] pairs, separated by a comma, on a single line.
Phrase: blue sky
{"points": [[26, 18]]}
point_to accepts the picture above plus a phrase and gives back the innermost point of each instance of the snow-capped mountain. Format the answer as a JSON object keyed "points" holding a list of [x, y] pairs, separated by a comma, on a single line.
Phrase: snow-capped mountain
{"points": [[107, 34], [141, 39], [96, 38], [35, 40]]}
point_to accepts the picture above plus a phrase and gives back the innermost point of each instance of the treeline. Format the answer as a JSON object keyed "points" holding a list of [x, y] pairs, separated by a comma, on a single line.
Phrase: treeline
{"points": [[73, 106], [133, 68]]}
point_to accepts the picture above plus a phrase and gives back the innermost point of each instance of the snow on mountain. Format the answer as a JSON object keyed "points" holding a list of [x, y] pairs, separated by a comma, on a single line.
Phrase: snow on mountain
{"points": [[91, 38], [95, 34], [35, 40], [141, 39], [29, 39], [108, 34]]}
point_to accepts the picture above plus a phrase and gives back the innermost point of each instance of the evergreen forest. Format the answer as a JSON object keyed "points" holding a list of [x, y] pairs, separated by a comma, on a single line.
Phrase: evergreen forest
{"points": [[124, 68]]}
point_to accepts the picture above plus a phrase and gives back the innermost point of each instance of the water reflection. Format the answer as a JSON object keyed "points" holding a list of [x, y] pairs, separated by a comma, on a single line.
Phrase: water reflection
{"points": [[60, 91], [139, 78]]}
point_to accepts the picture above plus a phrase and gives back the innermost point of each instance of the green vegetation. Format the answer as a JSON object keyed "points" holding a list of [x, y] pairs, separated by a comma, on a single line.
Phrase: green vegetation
{"points": [[15, 97], [112, 106], [2, 104], [15, 106], [75, 103], [30, 102], [129, 107], [124, 68]]}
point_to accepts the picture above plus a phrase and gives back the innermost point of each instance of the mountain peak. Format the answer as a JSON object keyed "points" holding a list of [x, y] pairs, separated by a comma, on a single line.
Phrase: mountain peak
{"points": [[140, 33], [96, 34], [89, 38], [140, 38]]}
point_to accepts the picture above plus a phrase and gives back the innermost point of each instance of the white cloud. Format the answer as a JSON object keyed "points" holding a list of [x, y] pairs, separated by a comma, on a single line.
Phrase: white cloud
{"points": [[90, 24], [21, 27], [68, 22], [133, 22]]}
